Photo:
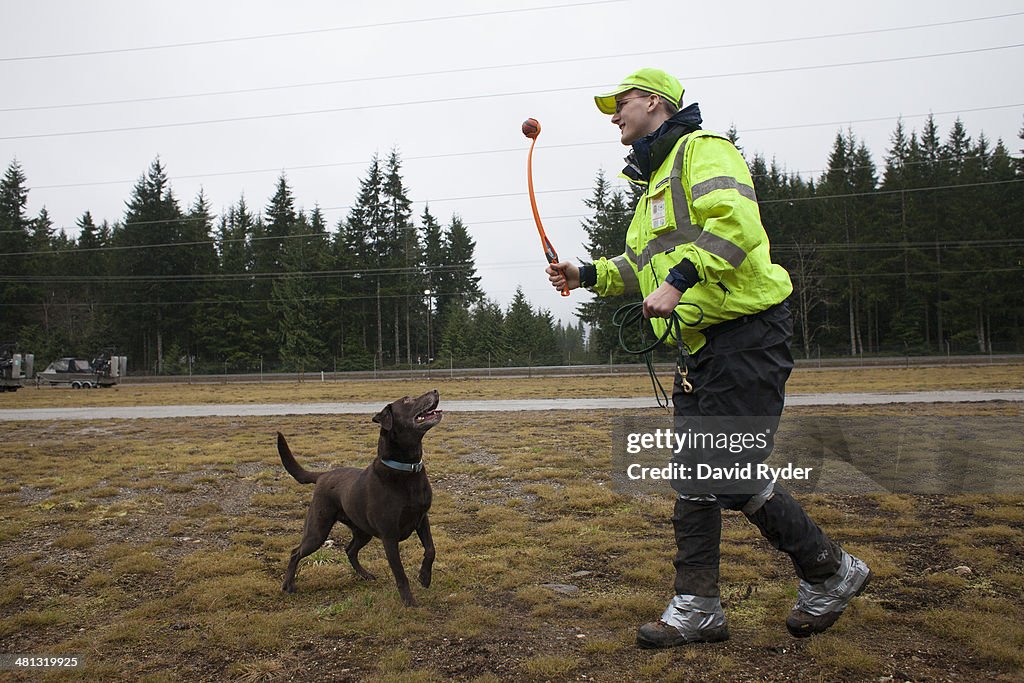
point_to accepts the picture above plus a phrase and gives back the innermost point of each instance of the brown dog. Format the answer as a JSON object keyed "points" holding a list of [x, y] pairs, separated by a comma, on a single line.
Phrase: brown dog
{"points": [[389, 499]]}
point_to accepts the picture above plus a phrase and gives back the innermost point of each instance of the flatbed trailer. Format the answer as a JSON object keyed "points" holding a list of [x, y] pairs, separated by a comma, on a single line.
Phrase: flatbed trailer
{"points": [[79, 373]]}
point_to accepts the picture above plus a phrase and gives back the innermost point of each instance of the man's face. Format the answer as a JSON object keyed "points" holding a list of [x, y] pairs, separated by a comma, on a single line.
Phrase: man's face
{"points": [[637, 113]]}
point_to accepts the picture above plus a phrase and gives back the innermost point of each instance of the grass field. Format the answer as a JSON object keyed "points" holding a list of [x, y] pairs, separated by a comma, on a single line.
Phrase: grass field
{"points": [[156, 548]]}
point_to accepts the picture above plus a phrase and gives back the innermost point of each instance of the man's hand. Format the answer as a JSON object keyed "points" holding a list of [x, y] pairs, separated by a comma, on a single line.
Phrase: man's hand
{"points": [[563, 273], [661, 302]]}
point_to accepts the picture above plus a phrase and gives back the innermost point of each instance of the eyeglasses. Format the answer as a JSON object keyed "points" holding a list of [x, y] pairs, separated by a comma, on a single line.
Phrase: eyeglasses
{"points": [[619, 103]]}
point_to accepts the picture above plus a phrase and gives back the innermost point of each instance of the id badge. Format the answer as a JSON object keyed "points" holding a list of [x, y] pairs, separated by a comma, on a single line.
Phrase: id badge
{"points": [[658, 211]]}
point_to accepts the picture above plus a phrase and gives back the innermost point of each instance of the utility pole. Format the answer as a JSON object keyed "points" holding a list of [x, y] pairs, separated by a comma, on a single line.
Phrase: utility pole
{"points": [[430, 314], [380, 335]]}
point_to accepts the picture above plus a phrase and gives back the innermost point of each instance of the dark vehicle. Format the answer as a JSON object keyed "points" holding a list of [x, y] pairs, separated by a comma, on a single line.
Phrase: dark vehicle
{"points": [[14, 367], [103, 371]]}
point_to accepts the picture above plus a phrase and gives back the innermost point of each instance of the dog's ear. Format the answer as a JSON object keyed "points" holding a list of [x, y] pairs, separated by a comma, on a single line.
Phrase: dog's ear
{"points": [[383, 418]]}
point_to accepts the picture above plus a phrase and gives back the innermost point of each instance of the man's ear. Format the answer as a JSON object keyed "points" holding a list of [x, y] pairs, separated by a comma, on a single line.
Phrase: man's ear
{"points": [[383, 418]]}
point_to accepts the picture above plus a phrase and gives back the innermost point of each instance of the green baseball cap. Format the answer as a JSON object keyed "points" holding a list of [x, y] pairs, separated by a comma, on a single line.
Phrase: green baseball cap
{"points": [[649, 80]]}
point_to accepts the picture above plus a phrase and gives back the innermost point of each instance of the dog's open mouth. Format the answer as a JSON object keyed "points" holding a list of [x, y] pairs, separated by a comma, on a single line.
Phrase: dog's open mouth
{"points": [[429, 415]]}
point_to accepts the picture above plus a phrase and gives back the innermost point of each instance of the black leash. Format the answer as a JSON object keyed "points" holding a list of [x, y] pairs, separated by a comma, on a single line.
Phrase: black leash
{"points": [[634, 313]]}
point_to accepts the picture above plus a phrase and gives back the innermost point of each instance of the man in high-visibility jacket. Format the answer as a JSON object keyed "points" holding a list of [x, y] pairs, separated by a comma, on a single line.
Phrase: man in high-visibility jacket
{"points": [[696, 238]]}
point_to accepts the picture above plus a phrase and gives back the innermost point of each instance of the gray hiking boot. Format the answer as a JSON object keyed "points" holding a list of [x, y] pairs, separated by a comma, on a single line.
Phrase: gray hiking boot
{"points": [[818, 606], [687, 619]]}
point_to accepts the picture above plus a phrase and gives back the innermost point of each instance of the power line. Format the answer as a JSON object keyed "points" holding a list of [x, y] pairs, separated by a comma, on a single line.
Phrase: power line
{"points": [[873, 193], [193, 219], [231, 302], [357, 273], [786, 174], [244, 276], [471, 69], [371, 297], [877, 193], [463, 98], [866, 247], [186, 219], [886, 60], [290, 34], [900, 273], [878, 118], [519, 150]]}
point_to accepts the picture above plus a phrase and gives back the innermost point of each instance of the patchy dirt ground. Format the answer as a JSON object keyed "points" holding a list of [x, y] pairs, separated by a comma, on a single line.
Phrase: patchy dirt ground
{"points": [[155, 549]]}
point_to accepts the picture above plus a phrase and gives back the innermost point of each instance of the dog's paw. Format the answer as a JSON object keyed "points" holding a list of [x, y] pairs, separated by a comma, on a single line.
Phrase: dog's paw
{"points": [[425, 579], [288, 588]]}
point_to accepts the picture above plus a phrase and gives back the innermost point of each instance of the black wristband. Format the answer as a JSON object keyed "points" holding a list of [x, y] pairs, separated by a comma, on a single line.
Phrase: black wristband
{"points": [[588, 275], [683, 275]]}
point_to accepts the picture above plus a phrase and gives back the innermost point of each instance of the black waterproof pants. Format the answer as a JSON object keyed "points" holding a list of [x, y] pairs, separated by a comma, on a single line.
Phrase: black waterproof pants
{"points": [[742, 371]]}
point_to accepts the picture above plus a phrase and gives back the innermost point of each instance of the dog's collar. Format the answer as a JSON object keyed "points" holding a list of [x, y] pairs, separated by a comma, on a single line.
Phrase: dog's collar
{"points": [[403, 466]]}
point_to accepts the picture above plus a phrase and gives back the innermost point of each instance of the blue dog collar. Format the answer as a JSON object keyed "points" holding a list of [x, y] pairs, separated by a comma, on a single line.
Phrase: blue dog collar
{"points": [[404, 466]]}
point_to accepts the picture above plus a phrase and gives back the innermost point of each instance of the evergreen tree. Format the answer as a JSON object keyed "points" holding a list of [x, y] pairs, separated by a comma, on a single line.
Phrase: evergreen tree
{"points": [[572, 343], [268, 249], [546, 348], [435, 253], [905, 299], [606, 232], [1020, 159], [519, 328], [455, 341], [849, 180], [200, 261], [297, 304], [54, 316], [464, 288], [153, 311], [530, 336], [228, 333], [14, 243], [42, 232], [89, 258], [438, 280], [360, 244], [403, 251], [734, 137], [89, 237], [488, 334]]}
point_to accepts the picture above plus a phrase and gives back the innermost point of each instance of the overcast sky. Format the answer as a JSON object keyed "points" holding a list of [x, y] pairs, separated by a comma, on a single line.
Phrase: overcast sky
{"points": [[230, 94]]}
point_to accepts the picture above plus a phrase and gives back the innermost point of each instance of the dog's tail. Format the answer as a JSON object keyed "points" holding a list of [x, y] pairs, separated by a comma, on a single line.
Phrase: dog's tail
{"points": [[301, 475]]}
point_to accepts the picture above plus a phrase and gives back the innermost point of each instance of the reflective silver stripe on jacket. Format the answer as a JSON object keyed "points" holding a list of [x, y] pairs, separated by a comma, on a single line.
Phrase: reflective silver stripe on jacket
{"points": [[630, 283], [631, 255], [667, 242], [680, 206], [722, 183], [719, 246]]}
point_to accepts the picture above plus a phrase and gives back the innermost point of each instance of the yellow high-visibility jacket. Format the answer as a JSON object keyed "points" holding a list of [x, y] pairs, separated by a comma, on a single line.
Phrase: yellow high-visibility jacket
{"points": [[699, 206]]}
